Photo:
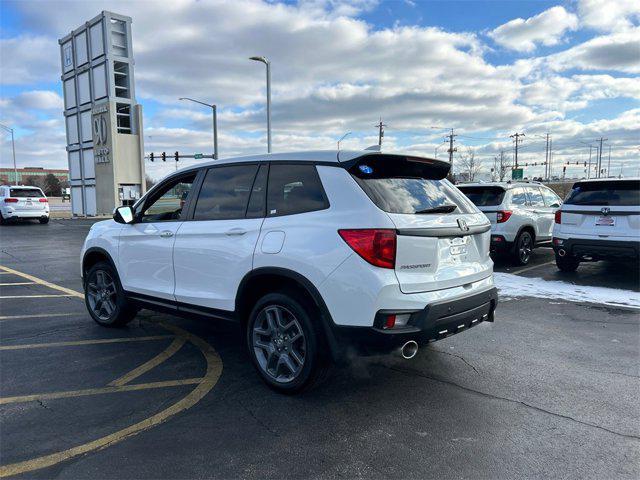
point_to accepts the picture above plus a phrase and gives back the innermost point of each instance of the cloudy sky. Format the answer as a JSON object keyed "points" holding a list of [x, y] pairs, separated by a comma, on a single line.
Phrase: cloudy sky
{"points": [[485, 69]]}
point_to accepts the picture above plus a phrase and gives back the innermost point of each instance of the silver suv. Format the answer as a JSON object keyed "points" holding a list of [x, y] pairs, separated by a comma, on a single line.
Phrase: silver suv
{"points": [[521, 215]]}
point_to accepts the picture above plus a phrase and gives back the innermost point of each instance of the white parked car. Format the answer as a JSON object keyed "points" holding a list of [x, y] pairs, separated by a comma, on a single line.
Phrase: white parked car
{"points": [[600, 220], [521, 215], [21, 202], [314, 253]]}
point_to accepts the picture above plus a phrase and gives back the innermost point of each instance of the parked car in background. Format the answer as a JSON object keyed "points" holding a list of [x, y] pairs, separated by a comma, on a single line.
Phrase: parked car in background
{"points": [[521, 215], [22, 202], [316, 254], [600, 220]]}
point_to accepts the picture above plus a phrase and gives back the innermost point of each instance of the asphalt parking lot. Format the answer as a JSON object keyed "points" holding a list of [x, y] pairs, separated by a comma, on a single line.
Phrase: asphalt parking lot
{"points": [[549, 390]]}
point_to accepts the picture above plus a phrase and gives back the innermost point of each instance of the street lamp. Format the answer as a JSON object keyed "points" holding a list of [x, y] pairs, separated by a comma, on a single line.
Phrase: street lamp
{"points": [[342, 138], [13, 147], [214, 112], [268, 64], [435, 150]]}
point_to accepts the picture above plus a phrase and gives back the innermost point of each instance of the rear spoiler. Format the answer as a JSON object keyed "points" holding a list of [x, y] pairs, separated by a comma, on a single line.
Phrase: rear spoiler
{"points": [[382, 165]]}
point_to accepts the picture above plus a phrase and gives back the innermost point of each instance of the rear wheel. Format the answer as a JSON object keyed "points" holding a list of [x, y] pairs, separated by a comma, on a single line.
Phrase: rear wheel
{"points": [[44, 220], [522, 248], [104, 297], [284, 339], [567, 263]]}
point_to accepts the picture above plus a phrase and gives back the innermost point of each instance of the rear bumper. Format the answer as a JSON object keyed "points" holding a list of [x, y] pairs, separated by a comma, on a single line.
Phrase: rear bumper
{"points": [[499, 244], [434, 322], [597, 249], [7, 214]]}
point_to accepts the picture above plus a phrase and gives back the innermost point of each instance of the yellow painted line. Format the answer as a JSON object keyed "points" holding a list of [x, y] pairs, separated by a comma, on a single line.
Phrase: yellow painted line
{"points": [[37, 296], [70, 292], [210, 378], [534, 266], [98, 391], [39, 315], [17, 283], [167, 353], [84, 342]]}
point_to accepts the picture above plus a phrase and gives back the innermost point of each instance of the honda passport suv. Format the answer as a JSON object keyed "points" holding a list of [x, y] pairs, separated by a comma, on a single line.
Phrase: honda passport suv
{"points": [[521, 215], [600, 220], [318, 255]]}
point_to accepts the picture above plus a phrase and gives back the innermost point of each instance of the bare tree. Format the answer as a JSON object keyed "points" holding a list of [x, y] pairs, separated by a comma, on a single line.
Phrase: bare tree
{"points": [[469, 165], [503, 165]]}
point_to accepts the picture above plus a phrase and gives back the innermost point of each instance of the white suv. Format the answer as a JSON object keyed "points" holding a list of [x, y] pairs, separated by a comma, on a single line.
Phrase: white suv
{"points": [[600, 220], [23, 202], [521, 215], [314, 253]]}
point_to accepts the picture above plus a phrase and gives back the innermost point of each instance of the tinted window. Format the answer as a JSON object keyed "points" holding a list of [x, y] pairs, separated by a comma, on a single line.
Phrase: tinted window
{"points": [[225, 192], [168, 202], [294, 189], [484, 196], [258, 199], [26, 192], [519, 197], [618, 193], [396, 185], [535, 197], [550, 198]]}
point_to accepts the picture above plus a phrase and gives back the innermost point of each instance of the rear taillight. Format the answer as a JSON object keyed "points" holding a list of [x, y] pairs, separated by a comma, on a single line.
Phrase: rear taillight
{"points": [[43, 200], [503, 216], [376, 246], [10, 200], [558, 217]]}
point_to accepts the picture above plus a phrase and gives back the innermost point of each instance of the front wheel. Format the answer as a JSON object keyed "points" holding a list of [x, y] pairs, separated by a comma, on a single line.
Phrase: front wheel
{"points": [[104, 297], [523, 246], [284, 343], [44, 220], [567, 263]]}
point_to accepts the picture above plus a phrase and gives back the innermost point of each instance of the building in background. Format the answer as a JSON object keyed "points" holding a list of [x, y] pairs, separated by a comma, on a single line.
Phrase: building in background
{"points": [[103, 121], [7, 175]]}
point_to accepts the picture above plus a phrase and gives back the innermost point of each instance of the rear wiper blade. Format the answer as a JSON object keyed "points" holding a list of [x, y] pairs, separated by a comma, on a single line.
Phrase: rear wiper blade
{"points": [[447, 208]]}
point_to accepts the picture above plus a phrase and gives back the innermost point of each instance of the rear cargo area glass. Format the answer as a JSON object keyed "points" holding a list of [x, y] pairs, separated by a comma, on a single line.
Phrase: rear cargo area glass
{"points": [[26, 192], [484, 196], [615, 193]]}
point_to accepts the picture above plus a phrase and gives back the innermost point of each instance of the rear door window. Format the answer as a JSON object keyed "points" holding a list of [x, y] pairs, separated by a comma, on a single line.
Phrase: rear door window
{"points": [[615, 193], [294, 189], [550, 198], [535, 197], [26, 192], [518, 197], [225, 192], [484, 196]]}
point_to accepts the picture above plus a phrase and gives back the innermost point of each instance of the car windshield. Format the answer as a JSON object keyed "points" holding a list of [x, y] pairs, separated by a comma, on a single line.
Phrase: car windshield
{"points": [[484, 196], [26, 192], [615, 193]]}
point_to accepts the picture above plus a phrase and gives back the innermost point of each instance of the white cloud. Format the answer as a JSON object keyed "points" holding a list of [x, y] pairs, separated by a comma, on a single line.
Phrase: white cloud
{"points": [[609, 16], [27, 59], [546, 28]]}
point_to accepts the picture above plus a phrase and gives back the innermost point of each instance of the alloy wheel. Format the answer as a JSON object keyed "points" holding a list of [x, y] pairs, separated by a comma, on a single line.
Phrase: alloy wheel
{"points": [[101, 293], [525, 247], [279, 343]]}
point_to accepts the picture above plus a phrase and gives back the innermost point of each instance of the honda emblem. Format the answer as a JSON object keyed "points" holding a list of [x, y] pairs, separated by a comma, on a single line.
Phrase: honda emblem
{"points": [[463, 225]]}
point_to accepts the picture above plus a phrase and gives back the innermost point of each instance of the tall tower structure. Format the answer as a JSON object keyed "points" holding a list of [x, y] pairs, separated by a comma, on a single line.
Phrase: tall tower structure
{"points": [[105, 146]]}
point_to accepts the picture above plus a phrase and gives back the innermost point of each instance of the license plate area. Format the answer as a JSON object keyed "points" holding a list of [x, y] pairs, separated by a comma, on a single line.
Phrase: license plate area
{"points": [[605, 221], [458, 245]]}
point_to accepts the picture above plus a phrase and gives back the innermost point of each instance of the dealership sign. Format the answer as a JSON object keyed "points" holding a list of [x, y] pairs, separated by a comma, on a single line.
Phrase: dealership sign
{"points": [[101, 127]]}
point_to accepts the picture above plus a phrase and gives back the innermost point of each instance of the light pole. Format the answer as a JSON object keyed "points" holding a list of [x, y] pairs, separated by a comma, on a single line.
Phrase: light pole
{"points": [[214, 113], [13, 147], [268, 64], [342, 138], [435, 150]]}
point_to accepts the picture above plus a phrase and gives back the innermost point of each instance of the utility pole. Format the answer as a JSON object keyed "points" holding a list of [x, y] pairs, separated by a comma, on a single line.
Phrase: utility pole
{"points": [[451, 149], [516, 136], [609, 163], [600, 156], [546, 158], [380, 126], [550, 156], [13, 148]]}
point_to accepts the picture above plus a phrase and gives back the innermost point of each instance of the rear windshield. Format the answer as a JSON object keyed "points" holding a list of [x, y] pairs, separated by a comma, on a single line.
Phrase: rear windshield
{"points": [[484, 196], [400, 185], [619, 193], [26, 192]]}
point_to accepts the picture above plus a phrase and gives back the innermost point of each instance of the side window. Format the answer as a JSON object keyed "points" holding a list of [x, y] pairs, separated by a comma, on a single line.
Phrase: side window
{"points": [[550, 198], [518, 197], [294, 189], [535, 197], [225, 193], [168, 202], [258, 200]]}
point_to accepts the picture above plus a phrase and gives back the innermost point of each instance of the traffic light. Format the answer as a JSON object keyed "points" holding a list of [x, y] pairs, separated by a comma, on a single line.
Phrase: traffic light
{"points": [[151, 156], [176, 156], [164, 157]]}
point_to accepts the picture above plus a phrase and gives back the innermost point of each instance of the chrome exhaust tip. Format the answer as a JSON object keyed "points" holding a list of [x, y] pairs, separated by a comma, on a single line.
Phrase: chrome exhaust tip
{"points": [[409, 350], [562, 252]]}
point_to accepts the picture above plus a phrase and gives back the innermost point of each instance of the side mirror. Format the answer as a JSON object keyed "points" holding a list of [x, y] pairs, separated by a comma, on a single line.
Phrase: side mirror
{"points": [[123, 215], [555, 205]]}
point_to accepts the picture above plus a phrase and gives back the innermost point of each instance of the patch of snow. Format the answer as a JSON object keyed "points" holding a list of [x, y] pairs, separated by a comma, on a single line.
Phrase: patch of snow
{"points": [[514, 286]]}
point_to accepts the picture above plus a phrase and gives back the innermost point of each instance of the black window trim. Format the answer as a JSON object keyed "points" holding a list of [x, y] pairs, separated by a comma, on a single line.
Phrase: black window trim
{"points": [[322, 191]]}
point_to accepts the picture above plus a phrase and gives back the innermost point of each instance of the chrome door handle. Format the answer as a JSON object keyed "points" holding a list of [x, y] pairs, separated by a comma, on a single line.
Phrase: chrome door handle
{"points": [[236, 231], [166, 234]]}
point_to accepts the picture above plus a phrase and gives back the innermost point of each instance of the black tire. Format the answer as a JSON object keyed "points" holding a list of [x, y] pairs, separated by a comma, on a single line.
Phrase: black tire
{"points": [[104, 297], [567, 263], [3, 221], [315, 365], [523, 248], [44, 220]]}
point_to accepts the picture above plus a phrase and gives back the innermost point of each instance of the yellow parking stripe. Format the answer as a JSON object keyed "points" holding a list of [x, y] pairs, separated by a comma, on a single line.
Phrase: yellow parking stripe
{"points": [[17, 283], [98, 391], [84, 342], [39, 281], [36, 296], [168, 352], [39, 315]]}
